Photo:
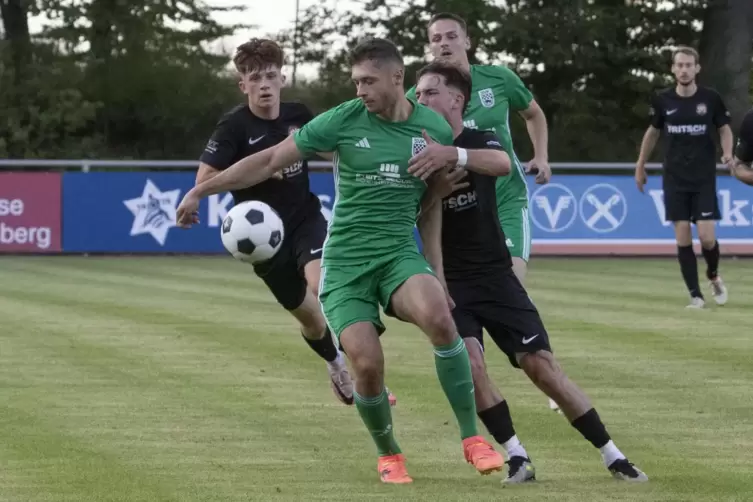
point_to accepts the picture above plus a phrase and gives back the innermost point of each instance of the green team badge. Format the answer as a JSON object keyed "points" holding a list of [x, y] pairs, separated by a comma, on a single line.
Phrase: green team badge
{"points": [[487, 97], [418, 145]]}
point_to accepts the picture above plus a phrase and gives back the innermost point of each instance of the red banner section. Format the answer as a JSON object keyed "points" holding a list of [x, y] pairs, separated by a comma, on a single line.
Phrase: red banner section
{"points": [[30, 212]]}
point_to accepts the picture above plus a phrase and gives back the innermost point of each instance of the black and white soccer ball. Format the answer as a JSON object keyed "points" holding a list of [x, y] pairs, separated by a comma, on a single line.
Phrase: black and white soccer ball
{"points": [[252, 232]]}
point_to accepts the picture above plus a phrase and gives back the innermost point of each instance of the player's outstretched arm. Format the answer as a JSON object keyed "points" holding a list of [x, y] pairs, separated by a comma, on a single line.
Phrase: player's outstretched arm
{"points": [[205, 172], [247, 172], [487, 161], [483, 160], [484, 155]]}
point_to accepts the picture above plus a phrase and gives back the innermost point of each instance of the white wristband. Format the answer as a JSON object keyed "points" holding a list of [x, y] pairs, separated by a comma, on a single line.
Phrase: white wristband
{"points": [[462, 157]]}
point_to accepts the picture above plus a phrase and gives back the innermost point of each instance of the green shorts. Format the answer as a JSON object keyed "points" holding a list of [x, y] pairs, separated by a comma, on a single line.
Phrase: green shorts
{"points": [[516, 224], [353, 293]]}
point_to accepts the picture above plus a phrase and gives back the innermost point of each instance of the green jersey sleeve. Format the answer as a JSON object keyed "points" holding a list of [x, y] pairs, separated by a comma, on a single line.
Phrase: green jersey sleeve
{"points": [[517, 92], [323, 132], [411, 94], [444, 136]]}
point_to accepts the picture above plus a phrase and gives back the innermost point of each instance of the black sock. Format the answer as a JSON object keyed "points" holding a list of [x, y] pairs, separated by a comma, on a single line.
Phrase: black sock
{"points": [[689, 269], [712, 260], [498, 422], [591, 427], [324, 347]]}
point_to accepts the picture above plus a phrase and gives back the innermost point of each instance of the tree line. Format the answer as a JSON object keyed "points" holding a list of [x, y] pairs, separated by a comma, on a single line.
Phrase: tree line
{"points": [[139, 79]]}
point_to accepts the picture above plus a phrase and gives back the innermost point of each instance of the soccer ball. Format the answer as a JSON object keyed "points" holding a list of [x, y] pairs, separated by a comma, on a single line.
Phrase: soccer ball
{"points": [[252, 232]]}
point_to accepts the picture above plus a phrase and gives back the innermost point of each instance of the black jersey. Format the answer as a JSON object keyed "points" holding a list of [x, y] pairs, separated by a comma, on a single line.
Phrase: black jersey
{"points": [[240, 133], [744, 150], [473, 243], [690, 125]]}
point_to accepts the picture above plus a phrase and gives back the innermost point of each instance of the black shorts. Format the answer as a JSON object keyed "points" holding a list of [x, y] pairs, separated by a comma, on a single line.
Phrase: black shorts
{"points": [[283, 274], [499, 304], [692, 205]]}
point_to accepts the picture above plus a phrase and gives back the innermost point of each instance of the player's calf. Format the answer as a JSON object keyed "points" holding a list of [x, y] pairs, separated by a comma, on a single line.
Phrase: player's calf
{"points": [[317, 335], [688, 263], [711, 254], [361, 342], [544, 371], [494, 413]]}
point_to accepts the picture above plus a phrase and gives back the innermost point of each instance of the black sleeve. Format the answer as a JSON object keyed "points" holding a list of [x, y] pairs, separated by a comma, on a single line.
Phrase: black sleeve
{"points": [[656, 112], [484, 140], [744, 149], [222, 147], [306, 114], [721, 114]]}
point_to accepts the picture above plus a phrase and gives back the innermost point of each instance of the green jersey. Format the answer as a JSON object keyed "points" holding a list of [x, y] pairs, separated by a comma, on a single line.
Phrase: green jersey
{"points": [[376, 199], [496, 91]]}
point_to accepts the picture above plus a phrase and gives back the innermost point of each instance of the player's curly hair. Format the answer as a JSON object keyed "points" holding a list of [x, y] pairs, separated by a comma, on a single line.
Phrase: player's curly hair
{"points": [[454, 76], [257, 54]]}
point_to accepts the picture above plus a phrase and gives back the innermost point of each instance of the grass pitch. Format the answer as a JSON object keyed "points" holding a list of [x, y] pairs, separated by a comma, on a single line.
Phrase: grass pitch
{"points": [[180, 379]]}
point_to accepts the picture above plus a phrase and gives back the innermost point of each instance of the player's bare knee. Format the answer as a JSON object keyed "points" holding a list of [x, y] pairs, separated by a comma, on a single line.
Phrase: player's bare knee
{"points": [[439, 326], [707, 236], [368, 370], [541, 367], [361, 343], [476, 356], [683, 234], [312, 273]]}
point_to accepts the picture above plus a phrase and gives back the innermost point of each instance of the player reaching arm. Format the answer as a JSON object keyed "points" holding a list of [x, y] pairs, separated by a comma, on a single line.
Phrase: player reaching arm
{"points": [[245, 173], [435, 157]]}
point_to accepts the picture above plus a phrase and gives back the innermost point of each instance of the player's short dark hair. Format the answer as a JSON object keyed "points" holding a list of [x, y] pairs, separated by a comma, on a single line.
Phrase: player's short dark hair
{"points": [[451, 17], [688, 51], [379, 50], [257, 54], [454, 76]]}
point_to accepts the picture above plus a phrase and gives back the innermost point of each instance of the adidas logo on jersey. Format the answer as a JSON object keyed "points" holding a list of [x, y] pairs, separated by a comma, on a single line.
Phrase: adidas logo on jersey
{"points": [[470, 124], [364, 143]]}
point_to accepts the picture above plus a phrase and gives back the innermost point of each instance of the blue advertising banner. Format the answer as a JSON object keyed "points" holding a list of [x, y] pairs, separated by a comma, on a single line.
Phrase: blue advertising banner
{"points": [[602, 209], [134, 212]]}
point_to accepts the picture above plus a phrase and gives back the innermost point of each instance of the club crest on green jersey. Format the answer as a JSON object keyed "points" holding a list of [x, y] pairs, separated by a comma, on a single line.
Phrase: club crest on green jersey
{"points": [[487, 97], [418, 145]]}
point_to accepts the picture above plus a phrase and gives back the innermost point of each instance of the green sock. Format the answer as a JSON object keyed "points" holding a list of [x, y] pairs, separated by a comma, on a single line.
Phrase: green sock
{"points": [[454, 372], [377, 416]]}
